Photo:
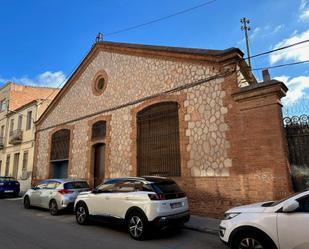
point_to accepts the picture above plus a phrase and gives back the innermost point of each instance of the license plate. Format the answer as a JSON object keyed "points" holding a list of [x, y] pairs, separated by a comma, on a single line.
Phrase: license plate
{"points": [[8, 191], [176, 205]]}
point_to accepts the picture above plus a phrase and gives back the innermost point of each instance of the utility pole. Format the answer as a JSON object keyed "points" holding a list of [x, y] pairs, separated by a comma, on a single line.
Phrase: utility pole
{"points": [[245, 27]]}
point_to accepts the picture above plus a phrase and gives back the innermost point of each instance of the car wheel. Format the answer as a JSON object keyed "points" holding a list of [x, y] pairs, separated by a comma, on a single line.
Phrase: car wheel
{"points": [[137, 225], [82, 214], [252, 240], [53, 207], [27, 204]]}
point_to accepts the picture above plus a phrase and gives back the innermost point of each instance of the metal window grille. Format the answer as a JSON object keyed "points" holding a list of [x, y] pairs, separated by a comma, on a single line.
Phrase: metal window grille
{"points": [[60, 145], [158, 149], [297, 134]]}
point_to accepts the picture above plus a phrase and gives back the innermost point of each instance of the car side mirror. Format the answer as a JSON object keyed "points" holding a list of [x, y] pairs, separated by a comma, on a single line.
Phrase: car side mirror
{"points": [[290, 207]]}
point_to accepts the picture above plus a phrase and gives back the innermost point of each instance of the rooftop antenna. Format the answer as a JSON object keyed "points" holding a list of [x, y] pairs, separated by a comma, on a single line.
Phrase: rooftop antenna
{"points": [[245, 27], [99, 38]]}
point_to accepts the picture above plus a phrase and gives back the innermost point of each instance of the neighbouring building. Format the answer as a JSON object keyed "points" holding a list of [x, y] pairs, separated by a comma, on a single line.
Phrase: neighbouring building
{"points": [[195, 115], [20, 107]]}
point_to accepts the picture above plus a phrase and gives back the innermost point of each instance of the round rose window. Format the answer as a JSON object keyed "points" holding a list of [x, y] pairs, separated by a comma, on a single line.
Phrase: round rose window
{"points": [[99, 83]]}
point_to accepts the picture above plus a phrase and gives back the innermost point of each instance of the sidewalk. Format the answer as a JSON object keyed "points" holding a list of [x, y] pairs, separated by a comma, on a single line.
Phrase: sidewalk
{"points": [[203, 224]]}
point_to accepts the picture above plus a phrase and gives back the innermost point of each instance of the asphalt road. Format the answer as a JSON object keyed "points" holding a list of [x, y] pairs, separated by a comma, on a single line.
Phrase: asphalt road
{"points": [[37, 229]]}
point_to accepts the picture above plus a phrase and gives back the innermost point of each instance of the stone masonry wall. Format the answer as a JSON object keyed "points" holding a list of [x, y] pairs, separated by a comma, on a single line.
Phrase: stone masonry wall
{"points": [[206, 127]]}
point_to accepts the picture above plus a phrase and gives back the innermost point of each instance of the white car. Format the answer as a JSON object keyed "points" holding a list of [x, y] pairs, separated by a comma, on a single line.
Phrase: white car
{"points": [[54, 194], [282, 224], [139, 201]]}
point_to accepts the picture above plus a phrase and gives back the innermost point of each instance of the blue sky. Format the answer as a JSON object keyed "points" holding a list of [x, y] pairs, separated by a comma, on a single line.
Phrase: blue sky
{"points": [[42, 41]]}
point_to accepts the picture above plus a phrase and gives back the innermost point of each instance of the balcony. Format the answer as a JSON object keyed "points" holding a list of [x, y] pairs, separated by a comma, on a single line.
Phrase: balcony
{"points": [[16, 137], [1, 143]]}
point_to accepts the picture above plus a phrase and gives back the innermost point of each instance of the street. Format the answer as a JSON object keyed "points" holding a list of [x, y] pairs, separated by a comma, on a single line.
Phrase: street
{"points": [[37, 229]]}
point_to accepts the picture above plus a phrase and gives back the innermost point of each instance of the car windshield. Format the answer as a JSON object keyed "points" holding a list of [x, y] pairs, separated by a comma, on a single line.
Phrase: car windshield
{"points": [[6, 179], [282, 200], [76, 185]]}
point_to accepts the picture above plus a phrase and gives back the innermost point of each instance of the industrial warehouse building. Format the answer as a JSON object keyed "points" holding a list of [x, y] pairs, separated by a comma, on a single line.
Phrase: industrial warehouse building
{"points": [[195, 115]]}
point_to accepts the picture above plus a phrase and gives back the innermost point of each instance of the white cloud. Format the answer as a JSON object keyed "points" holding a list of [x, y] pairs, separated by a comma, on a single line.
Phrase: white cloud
{"points": [[298, 88], [296, 53], [304, 10], [46, 79], [278, 28], [255, 32]]}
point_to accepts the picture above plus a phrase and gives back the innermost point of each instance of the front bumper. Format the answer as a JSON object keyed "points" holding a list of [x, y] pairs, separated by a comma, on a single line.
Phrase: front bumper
{"points": [[222, 232], [170, 220]]}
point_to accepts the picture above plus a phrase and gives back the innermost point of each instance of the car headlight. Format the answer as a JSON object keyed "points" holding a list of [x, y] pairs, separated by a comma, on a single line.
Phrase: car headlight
{"points": [[228, 216]]}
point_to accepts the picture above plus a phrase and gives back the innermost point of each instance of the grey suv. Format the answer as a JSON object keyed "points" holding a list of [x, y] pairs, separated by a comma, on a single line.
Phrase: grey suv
{"points": [[54, 194]]}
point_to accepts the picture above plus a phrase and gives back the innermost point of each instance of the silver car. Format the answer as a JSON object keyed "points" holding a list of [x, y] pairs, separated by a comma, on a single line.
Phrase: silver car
{"points": [[54, 194]]}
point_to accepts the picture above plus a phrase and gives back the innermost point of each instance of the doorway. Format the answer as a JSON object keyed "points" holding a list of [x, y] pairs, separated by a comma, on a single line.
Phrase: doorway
{"points": [[98, 163], [60, 169]]}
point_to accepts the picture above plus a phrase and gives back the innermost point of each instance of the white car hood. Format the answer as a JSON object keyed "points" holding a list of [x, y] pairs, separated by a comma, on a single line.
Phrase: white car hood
{"points": [[252, 208]]}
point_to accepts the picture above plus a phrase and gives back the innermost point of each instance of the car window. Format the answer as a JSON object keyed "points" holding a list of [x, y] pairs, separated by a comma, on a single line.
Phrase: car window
{"points": [[105, 187], [147, 188], [42, 185], [127, 186], [52, 185], [76, 185], [7, 179], [303, 205], [166, 187]]}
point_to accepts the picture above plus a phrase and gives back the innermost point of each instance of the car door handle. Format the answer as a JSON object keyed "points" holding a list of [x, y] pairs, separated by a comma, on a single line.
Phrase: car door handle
{"points": [[127, 198], [106, 198]]}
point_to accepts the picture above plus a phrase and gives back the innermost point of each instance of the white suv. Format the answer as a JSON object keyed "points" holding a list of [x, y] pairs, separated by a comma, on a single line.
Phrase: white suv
{"points": [[142, 202], [268, 225]]}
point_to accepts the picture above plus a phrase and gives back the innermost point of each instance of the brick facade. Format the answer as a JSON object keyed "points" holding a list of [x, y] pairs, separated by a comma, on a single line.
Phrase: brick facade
{"points": [[226, 126]]}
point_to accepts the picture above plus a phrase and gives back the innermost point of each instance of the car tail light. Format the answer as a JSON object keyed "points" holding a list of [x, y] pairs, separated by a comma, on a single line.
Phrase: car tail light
{"points": [[156, 197], [181, 195], [65, 191]]}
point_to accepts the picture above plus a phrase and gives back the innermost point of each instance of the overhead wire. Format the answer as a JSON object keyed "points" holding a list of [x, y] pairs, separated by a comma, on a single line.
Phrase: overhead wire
{"points": [[160, 18], [282, 65]]}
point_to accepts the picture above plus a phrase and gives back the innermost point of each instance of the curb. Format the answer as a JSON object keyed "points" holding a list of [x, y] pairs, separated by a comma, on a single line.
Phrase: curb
{"points": [[202, 230]]}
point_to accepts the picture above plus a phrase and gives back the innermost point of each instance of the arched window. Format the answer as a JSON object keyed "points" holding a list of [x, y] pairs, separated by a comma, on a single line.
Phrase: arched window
{"points": [[59, 156], [98, 130], [158, 149]]}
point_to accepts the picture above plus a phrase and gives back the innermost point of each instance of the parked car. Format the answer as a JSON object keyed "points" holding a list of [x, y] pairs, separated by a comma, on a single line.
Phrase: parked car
{"points": [[282, 224], [140, 202], [9, 186], [54, 194]]}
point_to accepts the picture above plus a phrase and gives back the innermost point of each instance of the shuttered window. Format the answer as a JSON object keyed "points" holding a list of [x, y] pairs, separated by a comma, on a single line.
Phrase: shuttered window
{"points": [[7, 165], [29, 120], [158, 149], [25, 160]]}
